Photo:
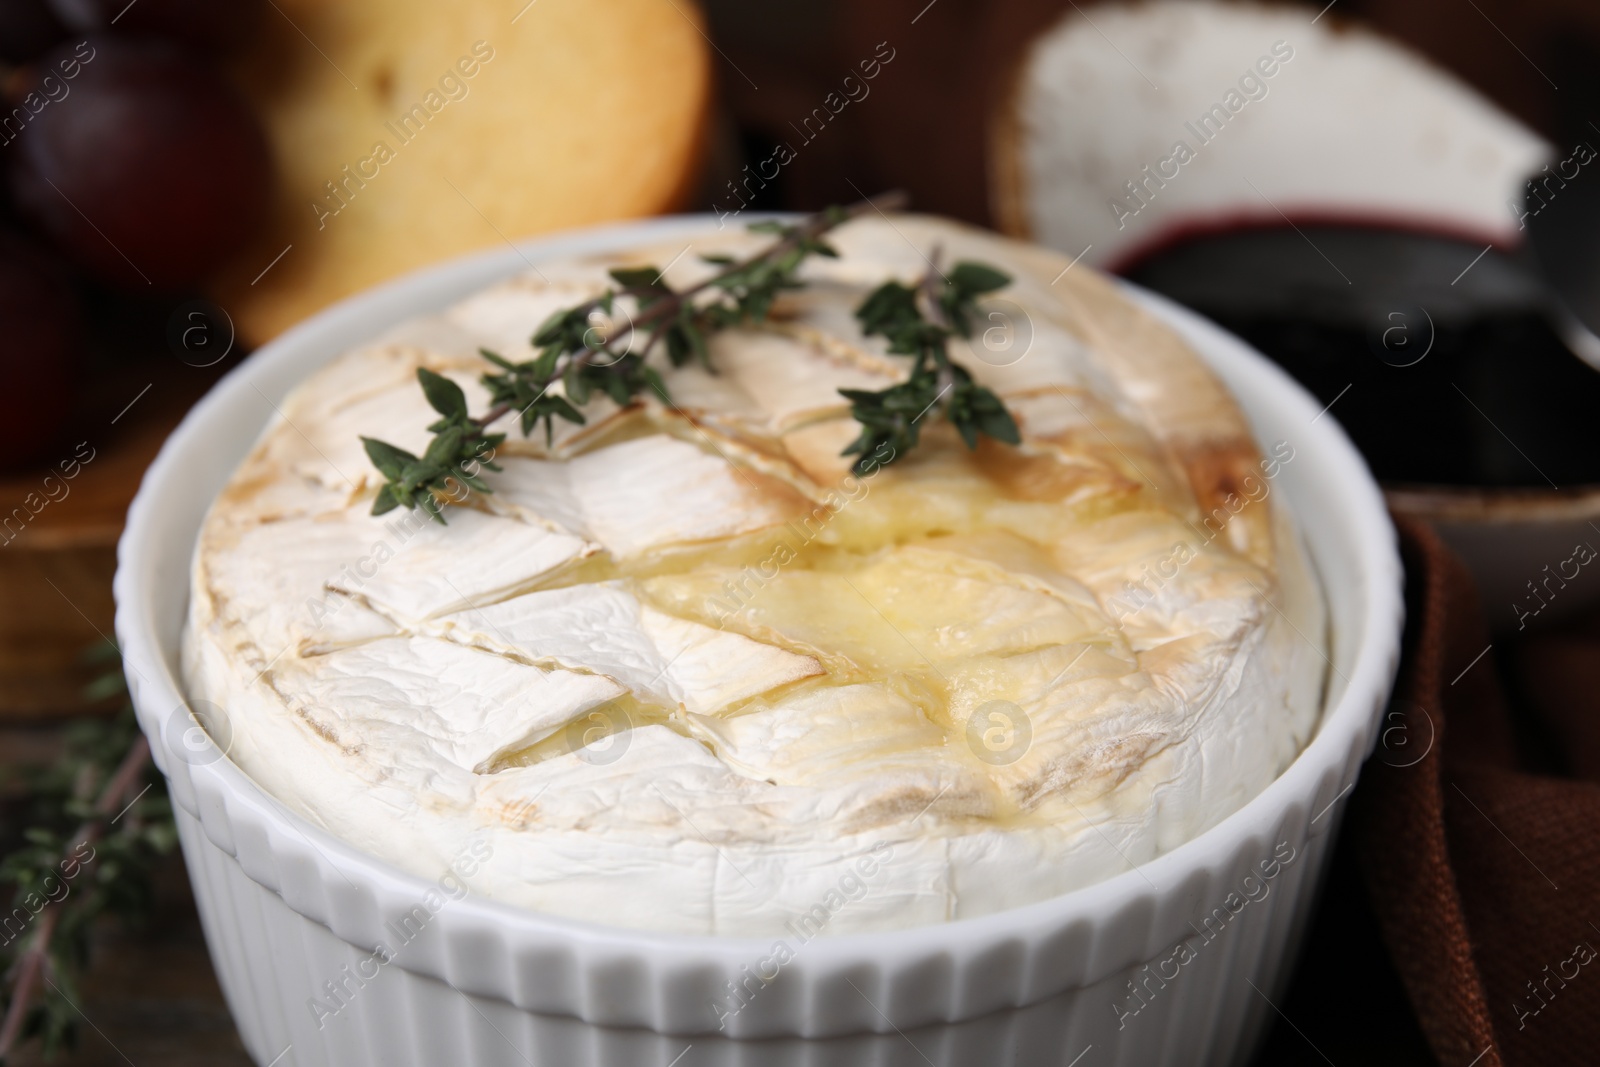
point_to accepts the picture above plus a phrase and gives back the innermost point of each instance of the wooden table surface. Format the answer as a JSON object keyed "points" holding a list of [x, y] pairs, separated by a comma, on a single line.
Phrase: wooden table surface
{"points": [[58, 555]]}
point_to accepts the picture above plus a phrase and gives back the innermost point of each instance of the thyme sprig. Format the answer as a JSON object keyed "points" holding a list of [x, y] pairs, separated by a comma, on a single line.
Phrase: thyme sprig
{"points": [[593, 348], [919, 322], [96, 819]]}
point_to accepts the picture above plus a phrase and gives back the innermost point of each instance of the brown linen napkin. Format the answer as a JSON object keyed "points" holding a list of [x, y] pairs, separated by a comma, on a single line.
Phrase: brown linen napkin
{"points": [[1477, 823]]}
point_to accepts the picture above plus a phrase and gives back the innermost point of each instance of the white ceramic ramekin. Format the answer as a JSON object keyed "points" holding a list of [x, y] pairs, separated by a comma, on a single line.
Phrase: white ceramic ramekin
{"points": [[1174, 962]]}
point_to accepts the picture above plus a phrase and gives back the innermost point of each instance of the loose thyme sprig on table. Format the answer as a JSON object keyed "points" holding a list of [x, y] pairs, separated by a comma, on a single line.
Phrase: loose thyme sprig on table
{"points": [[96, 820], [584, 358]]}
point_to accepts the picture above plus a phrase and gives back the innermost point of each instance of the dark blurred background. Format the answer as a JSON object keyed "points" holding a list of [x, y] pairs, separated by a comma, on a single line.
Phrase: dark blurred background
{"points": [[922, 127]]}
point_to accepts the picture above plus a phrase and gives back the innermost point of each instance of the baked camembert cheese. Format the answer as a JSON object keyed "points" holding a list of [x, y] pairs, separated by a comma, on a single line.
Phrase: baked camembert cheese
{"points": [[683, 670]]}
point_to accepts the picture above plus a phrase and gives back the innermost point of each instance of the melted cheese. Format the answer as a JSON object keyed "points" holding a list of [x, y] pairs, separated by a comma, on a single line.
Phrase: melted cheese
{"points": [[682, 670]]}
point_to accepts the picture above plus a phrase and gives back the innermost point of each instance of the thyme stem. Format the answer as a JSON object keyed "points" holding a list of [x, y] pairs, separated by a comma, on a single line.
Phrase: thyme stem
{"points": [[662, 311], [34, 961]]}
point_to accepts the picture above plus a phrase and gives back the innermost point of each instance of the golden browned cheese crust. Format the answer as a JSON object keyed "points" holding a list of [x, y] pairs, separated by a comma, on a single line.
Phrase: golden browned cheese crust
{"points": [[684, 667]]}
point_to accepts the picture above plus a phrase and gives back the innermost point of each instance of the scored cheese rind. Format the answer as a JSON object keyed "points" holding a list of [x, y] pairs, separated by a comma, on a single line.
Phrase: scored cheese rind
{"points": [[467, 705], [683, 670], [472, 559], [603, 629], [643, 493]]}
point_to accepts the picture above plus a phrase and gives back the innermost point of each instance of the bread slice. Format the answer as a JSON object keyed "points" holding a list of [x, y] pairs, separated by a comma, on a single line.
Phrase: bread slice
{"points": [[1280, 117], [407, 131]]}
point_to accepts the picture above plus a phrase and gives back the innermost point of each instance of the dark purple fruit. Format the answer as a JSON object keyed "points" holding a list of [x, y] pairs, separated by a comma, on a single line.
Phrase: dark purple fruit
{"points": [[150, 172], [41, 350], [209, 26], [27, 28]]}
